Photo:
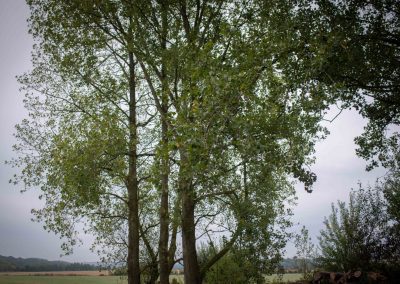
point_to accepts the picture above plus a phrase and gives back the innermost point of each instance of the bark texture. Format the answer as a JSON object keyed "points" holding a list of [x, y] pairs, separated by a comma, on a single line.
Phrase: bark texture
{"points": [[132, 183]]}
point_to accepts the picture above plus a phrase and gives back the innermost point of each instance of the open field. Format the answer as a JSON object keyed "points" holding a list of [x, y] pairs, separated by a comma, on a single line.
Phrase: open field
{"points": [[65, 277], [24, 279], [57, 273], [289, 277]]}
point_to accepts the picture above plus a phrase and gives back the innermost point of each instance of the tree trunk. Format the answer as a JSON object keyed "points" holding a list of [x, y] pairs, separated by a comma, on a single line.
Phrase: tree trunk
{"points": [[215, 258], [153, 273], [191, 266], [175, 222], [132, 184], [164, 213]]}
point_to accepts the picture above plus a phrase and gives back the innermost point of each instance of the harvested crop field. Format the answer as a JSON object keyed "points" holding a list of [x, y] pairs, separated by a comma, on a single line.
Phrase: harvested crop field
{"points": [[58, 279], [91, 277], [57, 273], [66, 277]]}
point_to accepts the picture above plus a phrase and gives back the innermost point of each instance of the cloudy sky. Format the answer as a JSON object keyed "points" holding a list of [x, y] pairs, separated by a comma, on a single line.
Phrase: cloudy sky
{"points": [[18, 235], [337, 167]]}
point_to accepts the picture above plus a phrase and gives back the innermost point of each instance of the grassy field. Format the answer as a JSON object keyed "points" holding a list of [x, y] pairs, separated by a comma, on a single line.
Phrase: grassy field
{"points": [[290, 277], [24, 279], [90, 279]]}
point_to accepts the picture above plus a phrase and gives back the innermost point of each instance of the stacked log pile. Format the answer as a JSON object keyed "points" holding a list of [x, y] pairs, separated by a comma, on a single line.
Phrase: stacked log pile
{"points": [[348, 277]]}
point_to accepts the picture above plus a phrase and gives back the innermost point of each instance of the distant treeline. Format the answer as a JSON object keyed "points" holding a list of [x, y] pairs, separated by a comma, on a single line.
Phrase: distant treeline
{"points": [[9, 264], [289, 263], [294, 264]]}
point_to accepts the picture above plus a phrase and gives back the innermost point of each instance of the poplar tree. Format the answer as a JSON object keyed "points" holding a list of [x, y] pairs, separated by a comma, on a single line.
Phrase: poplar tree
{"points": [[191, 106]]}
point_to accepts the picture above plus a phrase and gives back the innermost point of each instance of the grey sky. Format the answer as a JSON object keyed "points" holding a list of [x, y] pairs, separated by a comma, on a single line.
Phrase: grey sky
{"points": [[18, 235], [337, 167], [338, 170]]}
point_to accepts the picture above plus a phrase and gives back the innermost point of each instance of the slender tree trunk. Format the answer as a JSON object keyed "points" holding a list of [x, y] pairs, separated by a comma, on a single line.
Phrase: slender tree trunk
{"points": [[132, 184], [215, 258], [190, 263], [175, 225], [164, 212], [191, 266], [154, 273]]}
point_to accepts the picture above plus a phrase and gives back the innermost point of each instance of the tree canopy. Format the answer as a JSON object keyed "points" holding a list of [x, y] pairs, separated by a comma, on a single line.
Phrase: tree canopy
{"points": [[354, 46], [153, 120]]}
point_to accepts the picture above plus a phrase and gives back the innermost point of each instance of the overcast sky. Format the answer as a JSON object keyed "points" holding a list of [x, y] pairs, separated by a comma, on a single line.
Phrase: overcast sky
{"points": [[18, 235], [337, 167]]}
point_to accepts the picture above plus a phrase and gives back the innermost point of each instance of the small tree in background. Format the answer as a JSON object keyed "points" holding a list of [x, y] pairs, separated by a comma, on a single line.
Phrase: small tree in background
{"points": [[391, 192], [357, 235], [305, 252]]}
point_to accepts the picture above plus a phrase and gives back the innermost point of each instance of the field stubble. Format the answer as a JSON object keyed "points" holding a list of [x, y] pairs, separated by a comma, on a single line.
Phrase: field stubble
{"points": [[92, 277]]}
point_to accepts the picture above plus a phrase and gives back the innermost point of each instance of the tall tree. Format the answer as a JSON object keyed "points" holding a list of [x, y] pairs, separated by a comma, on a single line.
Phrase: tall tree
{"points": [[224, 81], [91, 115], [142, 95]]}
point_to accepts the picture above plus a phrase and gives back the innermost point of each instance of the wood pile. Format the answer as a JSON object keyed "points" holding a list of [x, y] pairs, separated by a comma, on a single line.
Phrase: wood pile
{"points": [[348, 277]]}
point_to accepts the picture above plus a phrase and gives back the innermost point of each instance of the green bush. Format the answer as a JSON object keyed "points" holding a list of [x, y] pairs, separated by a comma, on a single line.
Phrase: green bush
{"points": [[360, 234], [226, 270]]}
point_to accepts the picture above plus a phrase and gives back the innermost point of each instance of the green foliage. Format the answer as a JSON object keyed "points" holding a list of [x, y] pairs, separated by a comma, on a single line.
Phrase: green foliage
{"points": [[241, 264], [358, 235], [353, 47], [305, 252], [391, 188], [175, 281], [241, 108], [391, 191], [228, 269], [75, 146]]}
